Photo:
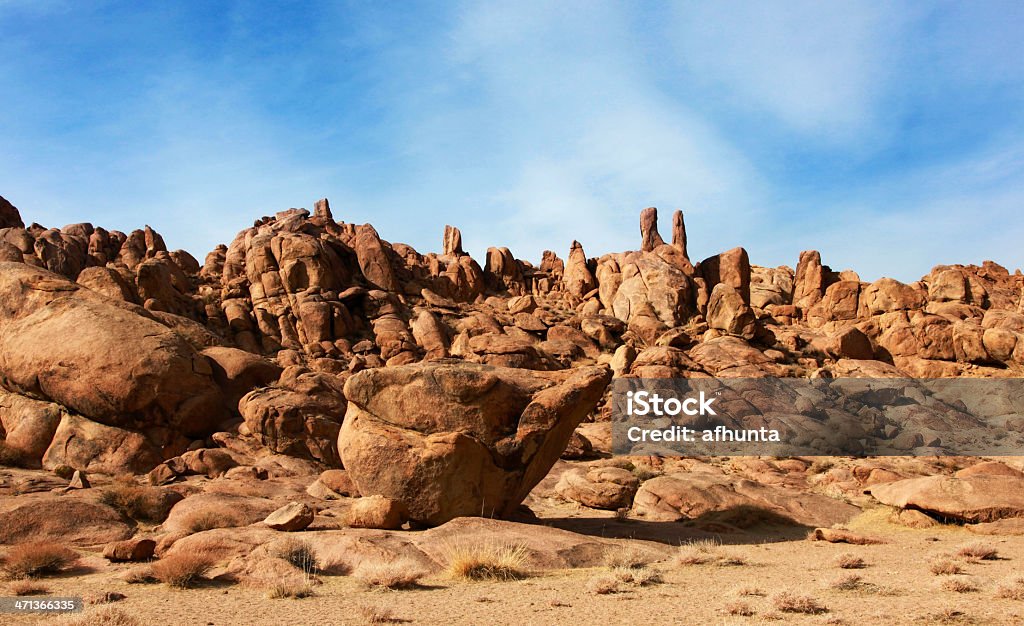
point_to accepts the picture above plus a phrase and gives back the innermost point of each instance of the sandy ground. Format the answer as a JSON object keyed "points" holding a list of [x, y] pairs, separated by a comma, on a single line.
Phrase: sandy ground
{"points": [[897, 587]]}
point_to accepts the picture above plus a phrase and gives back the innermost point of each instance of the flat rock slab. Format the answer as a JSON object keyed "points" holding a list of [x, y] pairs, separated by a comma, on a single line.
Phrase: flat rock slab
{"points": [[973, 498]]}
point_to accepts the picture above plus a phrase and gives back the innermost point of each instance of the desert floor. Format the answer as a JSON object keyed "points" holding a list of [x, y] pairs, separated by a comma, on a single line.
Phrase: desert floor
{"points": [[896, 586]]}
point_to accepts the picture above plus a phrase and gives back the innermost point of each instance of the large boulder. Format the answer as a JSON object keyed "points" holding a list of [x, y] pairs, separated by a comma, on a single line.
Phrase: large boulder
{"points": [[969, 498], [599, 487], [300, 415], [450, 440], [99, 449], [104, 359], [710, 499], [9, 216]]}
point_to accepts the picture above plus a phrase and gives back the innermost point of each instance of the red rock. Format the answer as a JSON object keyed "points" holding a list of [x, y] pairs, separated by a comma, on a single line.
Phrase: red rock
{"points": [[130, 550], [376, 512], [291, 517]]}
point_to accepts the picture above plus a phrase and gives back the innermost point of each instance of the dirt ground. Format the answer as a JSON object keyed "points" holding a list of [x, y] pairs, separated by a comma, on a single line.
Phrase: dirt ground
{"points": [[896, 586]]}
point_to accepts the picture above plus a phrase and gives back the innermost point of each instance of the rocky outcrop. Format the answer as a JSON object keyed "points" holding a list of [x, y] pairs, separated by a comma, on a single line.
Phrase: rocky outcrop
{"points": [[9, 215], [449, 440]]}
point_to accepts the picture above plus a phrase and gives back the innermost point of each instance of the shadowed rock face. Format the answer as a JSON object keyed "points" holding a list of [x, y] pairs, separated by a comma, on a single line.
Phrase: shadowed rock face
{"points": [[9, 216], [449, 440]]}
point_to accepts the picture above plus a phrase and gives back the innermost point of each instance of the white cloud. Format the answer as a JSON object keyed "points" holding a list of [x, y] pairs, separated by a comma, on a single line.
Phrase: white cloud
{"points": [[816, 67]]}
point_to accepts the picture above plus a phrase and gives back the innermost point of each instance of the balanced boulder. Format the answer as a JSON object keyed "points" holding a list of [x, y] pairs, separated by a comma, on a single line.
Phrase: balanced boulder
{"points": [[449, 440]]}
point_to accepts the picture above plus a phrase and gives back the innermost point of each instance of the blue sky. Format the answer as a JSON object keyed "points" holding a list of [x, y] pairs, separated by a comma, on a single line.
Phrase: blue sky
{"points": [[890, 136]]}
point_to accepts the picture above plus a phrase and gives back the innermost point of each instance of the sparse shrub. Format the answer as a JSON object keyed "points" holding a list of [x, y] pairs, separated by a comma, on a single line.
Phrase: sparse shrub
{"points": [[696, 552], [603, 584], [945, 568], [958, 585], [377, 615], [731, 560], [183, 569], [105, 616], [847, 582], [142, 575], [622, 514], [29, 560], [28, 588], [478, 562], [643, 472], [978, 551], [1012, 589], [289, 589], [750, 591], [820, 466], [850, 561], [793, 603], [741, 609], [297, 552], [625, 557], [209, 519], [640, 576], [403, 573], [142, 504]]}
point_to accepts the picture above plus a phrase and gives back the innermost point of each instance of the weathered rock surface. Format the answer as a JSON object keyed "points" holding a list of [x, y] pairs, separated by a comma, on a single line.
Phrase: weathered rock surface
{"points": [[971, 498], [449, 440]]}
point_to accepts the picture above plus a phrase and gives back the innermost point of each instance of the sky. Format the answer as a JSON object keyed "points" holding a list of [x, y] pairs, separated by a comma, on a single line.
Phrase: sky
{"points": [[887, 135]]}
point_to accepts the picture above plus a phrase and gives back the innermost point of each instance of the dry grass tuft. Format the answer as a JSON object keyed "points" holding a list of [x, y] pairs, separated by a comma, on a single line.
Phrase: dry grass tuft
{"points": [[290, 589], [945, 568], [377, 615], [298, 552], [403, 573], [640, 576], [481, 562], [1012, 589], [625, 557], [850, 561], [132, 500], [209, 519], [751, 592], [697, 552], [978, 551], [182, 570], [604, 584], [958, 585], [793, 603], [106, 616], [847, 582], [141, 575], [28, 588], [731, 560], [30, 560], [741, 609]]}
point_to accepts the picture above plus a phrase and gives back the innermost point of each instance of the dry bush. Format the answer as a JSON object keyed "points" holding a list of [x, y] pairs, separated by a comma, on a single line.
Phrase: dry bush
{"points": [[481, 562], [209, 519], [29, 560], [183, 569], [640, 576], [625, 557], [298, 552], [850, 561], [978, 551], [644, 472], [731, 560], [793, 603], [958, 585], [106, 616], [847, 582], [603, 584], [741, 609], [141, 575], [622, 514], [290, 589], [820, 466], [697, 552], [27, 588], [750, 591], [945, 568], [403, 573], [135, 501], [377, 615], [1012, 589]]}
